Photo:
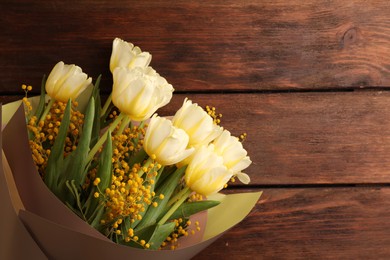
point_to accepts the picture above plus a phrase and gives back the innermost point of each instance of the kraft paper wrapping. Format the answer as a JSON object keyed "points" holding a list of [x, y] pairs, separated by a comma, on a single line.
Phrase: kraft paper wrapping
{"points": [[57, 233], [13, 233]]}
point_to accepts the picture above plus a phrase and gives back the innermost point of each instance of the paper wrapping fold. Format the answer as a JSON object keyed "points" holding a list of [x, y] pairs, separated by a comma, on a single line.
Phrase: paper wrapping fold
{"points": [[13, 233], [62, 235], [36, 197]]}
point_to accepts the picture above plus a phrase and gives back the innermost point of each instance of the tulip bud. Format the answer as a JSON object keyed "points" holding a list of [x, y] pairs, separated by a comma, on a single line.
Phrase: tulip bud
{"points": [[206, 174], [139, 92], [197, 123], [165, 141], [234, 155], [66, 82], [125, 54]]}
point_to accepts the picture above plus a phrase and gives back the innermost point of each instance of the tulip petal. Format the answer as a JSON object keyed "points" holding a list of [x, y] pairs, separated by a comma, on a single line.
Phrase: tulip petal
{"points": [[139, 92], [243, 177], [205, 173], [66, 81], [165, 141], [196, 122], [233, 153], [126, 55]]}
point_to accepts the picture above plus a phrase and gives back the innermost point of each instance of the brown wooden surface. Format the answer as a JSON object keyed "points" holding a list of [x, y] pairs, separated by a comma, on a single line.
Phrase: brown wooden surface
{"points": [[289, 73], [321, 223], [205, 45], [306, 138]]}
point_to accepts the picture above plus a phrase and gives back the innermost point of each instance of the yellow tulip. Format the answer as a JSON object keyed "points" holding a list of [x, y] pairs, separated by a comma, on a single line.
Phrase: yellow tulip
{"points": [[125, 54], [206, 174], [165, 141], [139, 92], [66, 82], [234, 155], [197, 123]]}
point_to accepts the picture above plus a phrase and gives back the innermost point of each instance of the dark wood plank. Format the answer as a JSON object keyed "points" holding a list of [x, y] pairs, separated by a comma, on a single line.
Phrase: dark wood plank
{"points": [[303, 138], [334, 223], [307, 138], [214, 45]]}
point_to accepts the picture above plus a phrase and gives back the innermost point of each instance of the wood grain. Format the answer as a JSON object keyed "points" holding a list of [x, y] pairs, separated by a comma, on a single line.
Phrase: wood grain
{"points": [[331, 223], [320, 151], [204, 46], [306, 138]]}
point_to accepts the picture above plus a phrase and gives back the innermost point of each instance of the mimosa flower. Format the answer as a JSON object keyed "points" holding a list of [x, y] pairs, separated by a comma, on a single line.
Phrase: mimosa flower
{"points": [[121, 177], [166, 142], [125, 54], [206, 174], [66, 82], [234, 155], [197, 123], [139, 92]]}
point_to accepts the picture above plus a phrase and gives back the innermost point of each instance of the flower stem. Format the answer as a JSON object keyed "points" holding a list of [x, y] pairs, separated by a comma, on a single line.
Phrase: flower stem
{"points": [[103, 138], [124, 123], [176, 197], [146, 164], [140, 126], [47, 109], [186, 192], [106, 105]]}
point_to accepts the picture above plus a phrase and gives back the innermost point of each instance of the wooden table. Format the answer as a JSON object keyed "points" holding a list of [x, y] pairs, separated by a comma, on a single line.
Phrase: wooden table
{"points": [[307, 80]]}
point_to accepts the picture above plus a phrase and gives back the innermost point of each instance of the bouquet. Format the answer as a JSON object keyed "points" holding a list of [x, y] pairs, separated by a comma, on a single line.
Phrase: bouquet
{"points": [[131, 177]]}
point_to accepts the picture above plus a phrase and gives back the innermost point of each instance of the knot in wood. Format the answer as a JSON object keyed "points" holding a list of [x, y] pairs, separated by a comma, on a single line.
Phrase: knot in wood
{"points": [[351, 36]]}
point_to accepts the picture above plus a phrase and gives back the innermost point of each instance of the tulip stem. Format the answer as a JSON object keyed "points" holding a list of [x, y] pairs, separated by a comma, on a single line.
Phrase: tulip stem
{"points": [[124, 123], [186, 192], [106, 105], [176, 197], [146, 165], [103, 138], [136, 139], [47, 109]]}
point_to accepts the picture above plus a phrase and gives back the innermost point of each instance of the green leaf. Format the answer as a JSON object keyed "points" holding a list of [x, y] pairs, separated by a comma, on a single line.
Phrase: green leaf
{"points": [[76, 196], [41, 104], [104, 120], [155, 234], [137, 157], [168, 170], [167, 189], [145, 232], [190, 208], [55, 162], [160, 234], [96, 216], [77, 168], [104, 172], [105, 164], [125, 226], [96, 123], [152, 188], [96, 89]]}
